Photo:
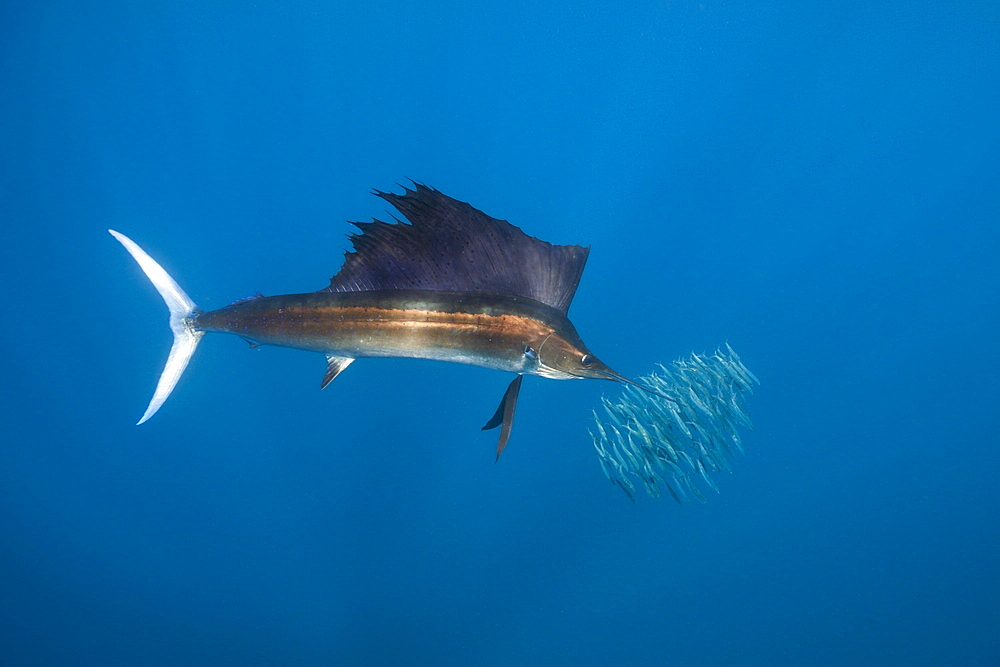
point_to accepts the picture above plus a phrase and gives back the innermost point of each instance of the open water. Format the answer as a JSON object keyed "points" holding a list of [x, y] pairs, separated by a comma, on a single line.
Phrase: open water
{"points": [[817, 184]]}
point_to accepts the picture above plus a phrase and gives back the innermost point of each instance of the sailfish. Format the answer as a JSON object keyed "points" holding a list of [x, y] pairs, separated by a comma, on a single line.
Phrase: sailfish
{"points": [[448, 283]]}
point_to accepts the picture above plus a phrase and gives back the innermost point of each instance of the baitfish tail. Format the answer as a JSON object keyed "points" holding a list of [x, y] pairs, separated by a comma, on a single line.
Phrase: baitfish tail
{"points": [[676, 439], [181, 308]]}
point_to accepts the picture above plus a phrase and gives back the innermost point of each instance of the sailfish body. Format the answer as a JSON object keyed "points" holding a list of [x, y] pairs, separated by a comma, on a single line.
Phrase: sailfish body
{"points": [[492, 331], [454, 284]]}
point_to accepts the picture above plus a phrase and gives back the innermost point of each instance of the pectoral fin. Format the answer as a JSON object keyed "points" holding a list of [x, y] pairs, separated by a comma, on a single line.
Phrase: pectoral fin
{"points": [[505, 413], [334, 365]]}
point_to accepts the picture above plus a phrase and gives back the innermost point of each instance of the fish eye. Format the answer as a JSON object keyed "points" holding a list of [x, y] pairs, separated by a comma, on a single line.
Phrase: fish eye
{"points": [[530, 352], [587, 359]]}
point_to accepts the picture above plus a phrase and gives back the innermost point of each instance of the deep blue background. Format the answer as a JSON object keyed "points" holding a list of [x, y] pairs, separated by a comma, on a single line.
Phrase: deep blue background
{"points": [[820, 187]]}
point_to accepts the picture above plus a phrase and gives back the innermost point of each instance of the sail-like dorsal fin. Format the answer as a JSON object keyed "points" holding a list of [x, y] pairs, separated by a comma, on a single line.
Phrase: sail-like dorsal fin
{"points": [[448, 245]]}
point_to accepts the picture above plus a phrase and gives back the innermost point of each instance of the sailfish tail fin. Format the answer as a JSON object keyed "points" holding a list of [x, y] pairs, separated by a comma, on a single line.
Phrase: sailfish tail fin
{"points": [[181, 308]]}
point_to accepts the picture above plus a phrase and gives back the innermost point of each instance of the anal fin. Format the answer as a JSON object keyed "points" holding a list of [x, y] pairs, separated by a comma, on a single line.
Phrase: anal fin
{"points": [[504, 416], [334, 366], [252, 343]]}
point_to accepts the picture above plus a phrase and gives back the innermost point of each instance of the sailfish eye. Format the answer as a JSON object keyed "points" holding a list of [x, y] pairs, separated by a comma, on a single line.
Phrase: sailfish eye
{"points": [[529, 352], [587, 359]]}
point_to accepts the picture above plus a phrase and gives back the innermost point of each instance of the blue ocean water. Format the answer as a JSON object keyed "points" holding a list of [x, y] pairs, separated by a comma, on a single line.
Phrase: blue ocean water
{"points": [[816, 185]]}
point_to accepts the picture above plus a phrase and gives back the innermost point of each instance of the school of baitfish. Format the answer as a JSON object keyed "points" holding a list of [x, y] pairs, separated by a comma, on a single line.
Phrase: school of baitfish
{"points": [[676, 439]]}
